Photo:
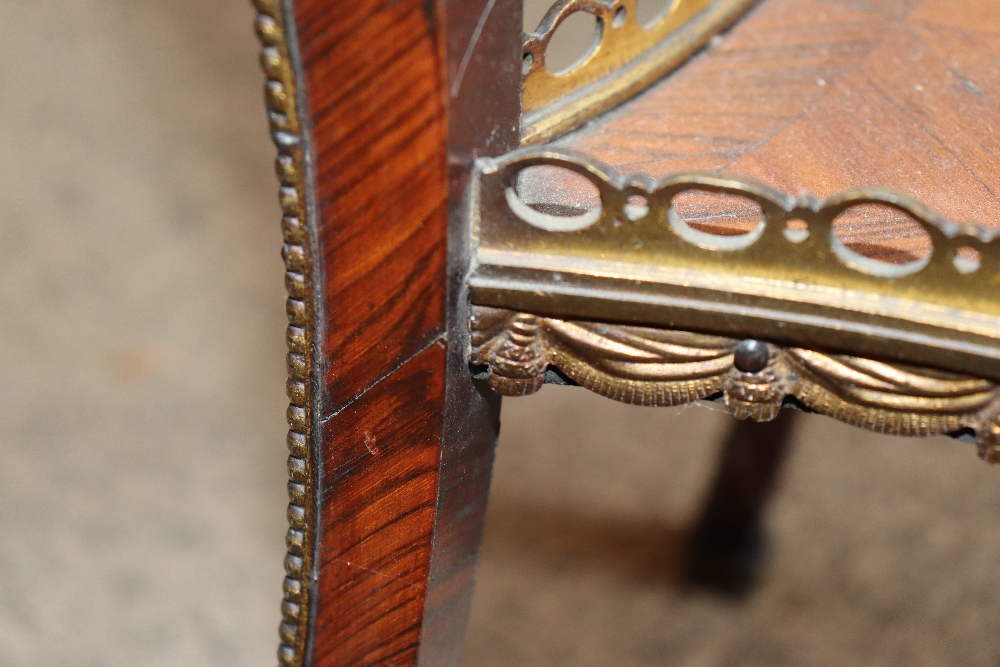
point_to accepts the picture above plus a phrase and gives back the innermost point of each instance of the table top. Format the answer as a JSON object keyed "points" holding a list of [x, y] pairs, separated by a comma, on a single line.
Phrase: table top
{"points": [[821, 96]]}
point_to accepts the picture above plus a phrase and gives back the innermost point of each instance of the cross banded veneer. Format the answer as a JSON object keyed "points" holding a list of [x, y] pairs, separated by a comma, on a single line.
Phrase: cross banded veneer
{"points": [[771, 203]]}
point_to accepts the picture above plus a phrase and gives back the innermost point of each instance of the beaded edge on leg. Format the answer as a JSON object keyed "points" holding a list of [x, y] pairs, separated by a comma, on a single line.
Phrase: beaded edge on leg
{"points": [[279, 93]]}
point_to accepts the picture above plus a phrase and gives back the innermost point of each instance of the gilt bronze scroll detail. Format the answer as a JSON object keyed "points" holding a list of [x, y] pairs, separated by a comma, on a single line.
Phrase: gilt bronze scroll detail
{"points": [[626, 57], [629, 300]]}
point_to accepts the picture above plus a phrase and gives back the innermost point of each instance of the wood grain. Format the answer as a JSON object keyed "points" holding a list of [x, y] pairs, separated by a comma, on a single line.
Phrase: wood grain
{"points": [[483, 54], [375, 103], [400, 98], [377, 110], [378, 517], [825, 95]]}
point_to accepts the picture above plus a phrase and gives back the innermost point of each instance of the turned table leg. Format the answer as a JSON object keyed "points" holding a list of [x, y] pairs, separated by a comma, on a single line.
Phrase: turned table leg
{"points": [[727, 547]]}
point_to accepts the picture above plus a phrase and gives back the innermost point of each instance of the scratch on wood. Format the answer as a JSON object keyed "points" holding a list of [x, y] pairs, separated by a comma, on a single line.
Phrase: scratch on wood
{"points": [[460, 74], [390, 577]]}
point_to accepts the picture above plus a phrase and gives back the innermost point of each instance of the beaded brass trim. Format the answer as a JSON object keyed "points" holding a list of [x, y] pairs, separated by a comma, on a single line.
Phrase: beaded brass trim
{"points": [[661, 367], [625, 59], [285, 128]]}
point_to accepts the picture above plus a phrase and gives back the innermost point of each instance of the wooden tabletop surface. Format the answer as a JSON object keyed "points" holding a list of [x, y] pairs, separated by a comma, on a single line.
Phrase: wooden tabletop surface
{"points": [[825, 95]]}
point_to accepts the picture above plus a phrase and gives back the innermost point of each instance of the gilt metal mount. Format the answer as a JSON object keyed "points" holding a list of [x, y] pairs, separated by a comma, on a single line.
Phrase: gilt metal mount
{"points": [[626, 57], [631, 301], [662, 367], [287, 133]]}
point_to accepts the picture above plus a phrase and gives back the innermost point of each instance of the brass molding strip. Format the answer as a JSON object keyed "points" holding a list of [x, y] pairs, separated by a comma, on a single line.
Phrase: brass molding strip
{"points": [[626, 58], [643, 265], [279, 91], [647, 366]]}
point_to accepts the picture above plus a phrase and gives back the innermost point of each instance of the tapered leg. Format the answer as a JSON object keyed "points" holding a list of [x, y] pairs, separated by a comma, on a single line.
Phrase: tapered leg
{"points": [[395, 101], [727, 547]]}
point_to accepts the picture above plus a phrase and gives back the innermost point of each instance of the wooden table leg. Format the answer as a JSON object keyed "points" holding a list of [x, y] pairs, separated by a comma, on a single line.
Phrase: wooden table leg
{"points": [[394, 100], [727, 547]]}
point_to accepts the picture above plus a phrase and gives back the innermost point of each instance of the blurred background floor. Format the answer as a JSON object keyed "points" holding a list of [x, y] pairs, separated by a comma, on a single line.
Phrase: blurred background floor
{"points": [[142, 474]]}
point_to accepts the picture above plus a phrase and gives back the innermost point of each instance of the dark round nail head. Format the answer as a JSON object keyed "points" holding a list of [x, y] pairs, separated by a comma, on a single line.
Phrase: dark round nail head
{"points": [[751, 356]]}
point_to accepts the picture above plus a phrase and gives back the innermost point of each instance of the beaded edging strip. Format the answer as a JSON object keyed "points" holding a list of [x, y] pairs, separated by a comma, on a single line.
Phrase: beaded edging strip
{"points": [[279, 92]]}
